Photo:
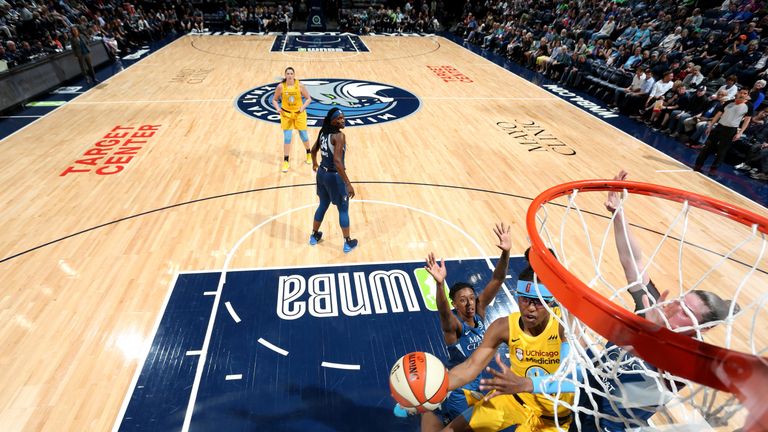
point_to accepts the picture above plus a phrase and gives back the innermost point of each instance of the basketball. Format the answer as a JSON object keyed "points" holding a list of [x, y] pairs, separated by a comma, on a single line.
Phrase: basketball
{"points": [[419, 380]]}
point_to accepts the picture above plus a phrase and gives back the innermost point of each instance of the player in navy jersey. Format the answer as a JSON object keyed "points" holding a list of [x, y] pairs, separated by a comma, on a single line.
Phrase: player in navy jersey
{"points": [[333, 185], [463, 327], [634, 395]]}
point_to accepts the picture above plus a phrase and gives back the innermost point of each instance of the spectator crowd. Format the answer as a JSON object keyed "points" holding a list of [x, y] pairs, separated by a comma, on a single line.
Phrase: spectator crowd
{"points": [[670, 64], [33, 29], [419, 16]]}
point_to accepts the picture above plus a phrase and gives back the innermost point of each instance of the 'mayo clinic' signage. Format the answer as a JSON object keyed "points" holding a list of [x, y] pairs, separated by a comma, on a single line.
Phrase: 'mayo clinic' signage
{"points": [[363, 102]]}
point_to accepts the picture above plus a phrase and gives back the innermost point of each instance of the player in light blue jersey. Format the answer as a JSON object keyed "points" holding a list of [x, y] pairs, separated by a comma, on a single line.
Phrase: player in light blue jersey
{"points": [[463, 327]]}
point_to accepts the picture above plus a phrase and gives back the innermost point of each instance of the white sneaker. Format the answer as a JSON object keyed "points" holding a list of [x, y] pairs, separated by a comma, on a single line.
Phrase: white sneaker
{"points": [[742, 166]]}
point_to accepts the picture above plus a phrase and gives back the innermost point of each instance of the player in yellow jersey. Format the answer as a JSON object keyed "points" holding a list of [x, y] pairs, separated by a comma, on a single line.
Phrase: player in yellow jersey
{"points": [[535, 340], [291, 101], [622, 388]]}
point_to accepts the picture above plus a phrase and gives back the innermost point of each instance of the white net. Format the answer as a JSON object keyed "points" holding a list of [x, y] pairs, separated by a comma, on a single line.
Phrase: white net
{"points": [[683, 249]]}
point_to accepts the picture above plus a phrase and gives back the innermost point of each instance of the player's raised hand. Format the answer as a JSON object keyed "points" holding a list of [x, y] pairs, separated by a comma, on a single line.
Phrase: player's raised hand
{"points": [[504, 381], [613, 200], [502, 232], [656, 314], [437, 270]]}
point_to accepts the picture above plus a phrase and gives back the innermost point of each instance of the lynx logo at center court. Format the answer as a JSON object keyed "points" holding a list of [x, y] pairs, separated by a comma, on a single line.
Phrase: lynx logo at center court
{"points": [[363, 102]]}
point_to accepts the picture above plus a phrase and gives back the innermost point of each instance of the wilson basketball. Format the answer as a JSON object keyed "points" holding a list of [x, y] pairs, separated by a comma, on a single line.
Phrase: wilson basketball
{"points": [[419, 380]]}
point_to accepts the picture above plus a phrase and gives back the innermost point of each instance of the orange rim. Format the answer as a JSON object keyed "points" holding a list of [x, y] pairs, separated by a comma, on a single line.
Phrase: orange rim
{"points": [[744, 375]]}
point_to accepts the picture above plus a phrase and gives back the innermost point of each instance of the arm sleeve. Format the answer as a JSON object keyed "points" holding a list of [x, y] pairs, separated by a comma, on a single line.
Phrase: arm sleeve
{"points": [[544, 383], [637, 296]]}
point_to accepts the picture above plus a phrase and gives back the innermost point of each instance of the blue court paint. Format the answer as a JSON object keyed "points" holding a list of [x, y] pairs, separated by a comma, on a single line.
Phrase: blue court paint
{"points": [[314, 314], [319, 43], [168, 369]]}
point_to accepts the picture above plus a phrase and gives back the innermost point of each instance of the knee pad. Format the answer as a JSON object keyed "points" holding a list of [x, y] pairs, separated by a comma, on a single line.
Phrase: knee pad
{"points": [[287, 135]]}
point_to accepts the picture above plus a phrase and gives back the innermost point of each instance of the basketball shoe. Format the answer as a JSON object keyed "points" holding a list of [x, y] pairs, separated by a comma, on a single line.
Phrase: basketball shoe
{"points": [[314, 238], [349, 245], [285, 166], [403, 412]]}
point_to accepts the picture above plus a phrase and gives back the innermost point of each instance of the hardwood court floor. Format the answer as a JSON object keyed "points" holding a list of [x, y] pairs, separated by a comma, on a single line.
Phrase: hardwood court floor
{"points": [[88, 258]]}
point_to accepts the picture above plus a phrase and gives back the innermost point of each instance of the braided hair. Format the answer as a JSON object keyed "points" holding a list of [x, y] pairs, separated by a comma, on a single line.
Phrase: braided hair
{"points": [[328, 127]]}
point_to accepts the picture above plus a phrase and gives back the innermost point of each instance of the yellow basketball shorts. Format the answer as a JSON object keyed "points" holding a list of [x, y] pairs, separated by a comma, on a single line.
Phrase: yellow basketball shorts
{"points": [[289, 120], [505, 410]]}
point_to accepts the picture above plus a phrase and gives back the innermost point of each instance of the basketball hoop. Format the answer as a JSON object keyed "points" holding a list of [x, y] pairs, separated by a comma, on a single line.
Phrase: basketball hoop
{"points": [[745, 375]]}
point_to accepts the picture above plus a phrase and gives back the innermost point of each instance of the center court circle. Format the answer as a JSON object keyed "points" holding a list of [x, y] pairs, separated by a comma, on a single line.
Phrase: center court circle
{"points": [[363, 102]]}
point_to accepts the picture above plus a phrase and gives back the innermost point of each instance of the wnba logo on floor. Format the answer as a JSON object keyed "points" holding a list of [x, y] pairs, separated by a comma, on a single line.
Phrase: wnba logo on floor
{"points": [[363, 102]]}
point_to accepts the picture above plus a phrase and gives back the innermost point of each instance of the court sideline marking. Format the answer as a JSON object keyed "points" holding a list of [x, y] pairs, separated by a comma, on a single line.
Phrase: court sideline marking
{"points": [[263, 189], [269, 188], [143, 361]]}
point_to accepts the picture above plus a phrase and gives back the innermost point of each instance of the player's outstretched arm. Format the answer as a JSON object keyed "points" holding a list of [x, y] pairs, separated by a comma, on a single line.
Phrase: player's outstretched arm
{"points": [[468, 370], [448, 321], [505, 381], [630, 254], [500, 272]]}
